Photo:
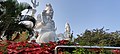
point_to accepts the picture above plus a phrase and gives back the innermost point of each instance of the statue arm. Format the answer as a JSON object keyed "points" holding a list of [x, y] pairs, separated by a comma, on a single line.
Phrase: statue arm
{"points": [[39, 25], [40, 21]]}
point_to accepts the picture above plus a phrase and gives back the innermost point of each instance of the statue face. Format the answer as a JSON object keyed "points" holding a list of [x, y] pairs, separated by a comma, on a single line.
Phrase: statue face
{"points": [[48, 7], [48, 11]]}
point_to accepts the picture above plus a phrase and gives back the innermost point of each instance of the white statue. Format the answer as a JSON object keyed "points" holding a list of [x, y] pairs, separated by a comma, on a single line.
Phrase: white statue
{"points": [[46, 26], [67, 33]]}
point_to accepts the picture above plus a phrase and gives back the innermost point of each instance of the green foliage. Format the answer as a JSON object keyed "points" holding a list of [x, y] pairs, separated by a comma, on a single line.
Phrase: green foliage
{"points": [[79, 51], [99, 37], [91, 51], [9, 20]]}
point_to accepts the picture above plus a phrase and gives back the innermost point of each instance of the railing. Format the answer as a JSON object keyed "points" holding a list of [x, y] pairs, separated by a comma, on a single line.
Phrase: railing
{"points": [[87, 47]]}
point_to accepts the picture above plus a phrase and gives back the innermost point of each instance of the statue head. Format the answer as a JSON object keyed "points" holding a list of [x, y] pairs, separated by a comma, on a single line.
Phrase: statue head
{"points": [[49, 10], [48, 4]]}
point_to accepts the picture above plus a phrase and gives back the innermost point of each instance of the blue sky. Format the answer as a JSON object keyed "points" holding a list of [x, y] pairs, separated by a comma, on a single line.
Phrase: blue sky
{"points": [[83, 14]]}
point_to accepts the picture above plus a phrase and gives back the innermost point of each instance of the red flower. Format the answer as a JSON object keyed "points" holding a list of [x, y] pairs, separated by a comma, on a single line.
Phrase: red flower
{"points": [[33, 41], [11, 46], [63, 42], [36, 45], [46, 52], [116, 51], [1, 52], [28, 49]]}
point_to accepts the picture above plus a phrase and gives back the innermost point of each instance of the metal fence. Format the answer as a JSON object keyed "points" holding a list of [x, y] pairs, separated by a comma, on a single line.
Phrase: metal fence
{"points": [[87, 47]]}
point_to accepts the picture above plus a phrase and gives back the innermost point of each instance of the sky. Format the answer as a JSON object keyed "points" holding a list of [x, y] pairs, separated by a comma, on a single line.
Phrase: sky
{"points": [[83, 14]]}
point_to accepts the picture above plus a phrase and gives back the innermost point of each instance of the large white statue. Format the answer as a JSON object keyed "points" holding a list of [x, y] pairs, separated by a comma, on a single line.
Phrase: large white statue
{"points": [[46, 26]]}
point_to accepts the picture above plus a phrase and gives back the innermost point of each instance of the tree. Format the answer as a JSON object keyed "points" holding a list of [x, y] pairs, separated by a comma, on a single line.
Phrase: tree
{"points": [[11, 10], [99, 37]]}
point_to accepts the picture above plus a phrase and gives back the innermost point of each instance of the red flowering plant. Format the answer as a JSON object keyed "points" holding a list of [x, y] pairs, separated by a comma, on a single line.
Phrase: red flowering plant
{"points": [[116, 51], [26, 47]]}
